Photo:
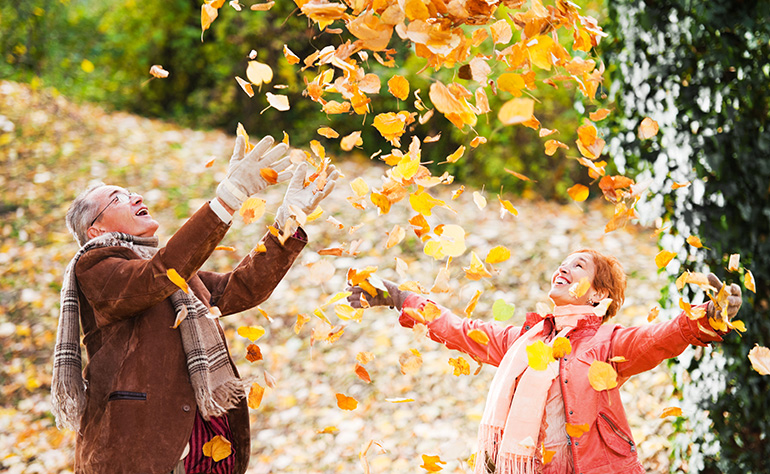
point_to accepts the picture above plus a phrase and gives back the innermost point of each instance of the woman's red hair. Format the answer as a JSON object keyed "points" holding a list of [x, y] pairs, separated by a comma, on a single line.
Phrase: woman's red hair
{"points": [[609, 276]]}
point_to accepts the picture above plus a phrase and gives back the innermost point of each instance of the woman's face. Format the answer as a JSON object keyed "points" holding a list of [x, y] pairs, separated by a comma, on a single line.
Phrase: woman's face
{"points": [[574, 268]]}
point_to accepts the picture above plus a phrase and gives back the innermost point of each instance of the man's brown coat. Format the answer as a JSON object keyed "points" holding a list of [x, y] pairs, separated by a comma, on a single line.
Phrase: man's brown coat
{"points": [[140, 405]]}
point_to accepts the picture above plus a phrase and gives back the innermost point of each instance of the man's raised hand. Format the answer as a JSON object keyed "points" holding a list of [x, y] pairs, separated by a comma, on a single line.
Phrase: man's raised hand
{"points": [[393, 298], [303, 198], [244, 173]]}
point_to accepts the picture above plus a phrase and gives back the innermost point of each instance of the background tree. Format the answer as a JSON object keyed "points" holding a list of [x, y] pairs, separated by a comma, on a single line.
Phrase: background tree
{"points": [[702, 71]]}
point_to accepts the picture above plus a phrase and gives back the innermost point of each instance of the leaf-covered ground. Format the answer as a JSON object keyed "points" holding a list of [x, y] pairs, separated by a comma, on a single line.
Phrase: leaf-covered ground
{"points": [[51, 149]]}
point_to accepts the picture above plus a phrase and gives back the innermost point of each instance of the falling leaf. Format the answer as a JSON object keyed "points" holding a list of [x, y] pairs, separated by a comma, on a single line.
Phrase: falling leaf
{"points": [[177, 280], [663, 258], [552, 145], [460, 365], [364, 358], [246, 86], [423, 202], [760, 359], [479, 200], [362, 373], [561, 347], [579, 289], [346, 403], [262, 7], [348, 313], [502, 310], [255, 395], [479, 336], [748, 281], [157, 71], [253, 353], [328, 430], [253, 208], [328, 132], [601, 309], [578, 192], [259, 73], [518, 175], [476, 270], [648, 128], [600, 114], [395, 236], [539, 355], [472, 304], [671, 411], [208, 15], [180, 316], [398, 87], [399, 400], [734, 263], [456, 155], [289, 55], [694, 241], [350, 141], [576, 431], [431, 463], [498, 254], [278, 102], [602, 376], [653, 314], [251, 333], [516, 110], [218, 448], [410, 361], [269, 175], [478, 140], [675, 185], [506, 206]]}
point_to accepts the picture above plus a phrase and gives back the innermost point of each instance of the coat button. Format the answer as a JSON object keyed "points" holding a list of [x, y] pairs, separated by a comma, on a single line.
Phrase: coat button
{"points": [[565, 380], [576, 443], [526, 327], [570, 412], [185, 407]]}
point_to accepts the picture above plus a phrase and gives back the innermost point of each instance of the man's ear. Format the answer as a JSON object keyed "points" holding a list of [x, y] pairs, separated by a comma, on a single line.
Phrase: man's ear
{"points": [[93, 232]]}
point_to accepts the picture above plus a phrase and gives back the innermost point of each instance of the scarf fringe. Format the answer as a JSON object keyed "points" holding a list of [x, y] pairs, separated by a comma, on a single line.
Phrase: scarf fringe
{"points": [[514, 464], [223, 399], [488, 445], [68, 402]]}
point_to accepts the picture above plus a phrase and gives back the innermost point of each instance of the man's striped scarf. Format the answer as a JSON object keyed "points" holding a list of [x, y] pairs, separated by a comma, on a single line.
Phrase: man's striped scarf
{"points": [[217, 389]]}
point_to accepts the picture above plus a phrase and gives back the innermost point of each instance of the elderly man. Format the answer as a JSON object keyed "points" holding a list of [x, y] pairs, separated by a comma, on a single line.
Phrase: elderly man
{"points": [[153, 393]]}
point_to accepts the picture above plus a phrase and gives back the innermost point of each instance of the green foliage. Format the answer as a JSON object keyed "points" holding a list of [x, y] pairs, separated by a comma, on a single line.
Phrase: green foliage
{"points": [[702, 70], [47, 41]]}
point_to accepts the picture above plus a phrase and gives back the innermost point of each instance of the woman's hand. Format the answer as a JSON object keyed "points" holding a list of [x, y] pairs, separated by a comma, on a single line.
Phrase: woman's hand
{"points": [[734, 298], [393, 297]]}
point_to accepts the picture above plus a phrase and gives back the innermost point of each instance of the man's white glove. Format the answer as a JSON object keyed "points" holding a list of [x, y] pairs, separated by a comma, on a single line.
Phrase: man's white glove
{"points": [[243, 174], [303, 198]]}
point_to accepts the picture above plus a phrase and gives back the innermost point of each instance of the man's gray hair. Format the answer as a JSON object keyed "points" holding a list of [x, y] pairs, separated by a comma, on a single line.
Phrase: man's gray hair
{"points": [[80, 214]]}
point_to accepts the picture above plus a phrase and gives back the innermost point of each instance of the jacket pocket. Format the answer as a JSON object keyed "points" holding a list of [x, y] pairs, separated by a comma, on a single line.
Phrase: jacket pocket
{"points": [[124, 395], [614, 437]]}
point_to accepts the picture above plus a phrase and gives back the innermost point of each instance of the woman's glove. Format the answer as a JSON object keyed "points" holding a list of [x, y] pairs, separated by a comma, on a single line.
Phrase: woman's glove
{"points": [[304, 198], [393, 297], [244, 176], [734, 298]]}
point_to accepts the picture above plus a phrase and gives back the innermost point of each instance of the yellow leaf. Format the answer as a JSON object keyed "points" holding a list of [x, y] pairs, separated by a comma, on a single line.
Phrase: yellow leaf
{"points": [[218, 448], [600, 114], [576, 431], [177, 280], [395, 236], [472, 304], [663, 258], [498, 254], [671, 411], [87, 66], [539, 355], [748, 281], [478, 140], [648, 128], [460, 365], [760, 359], [346, 403], [359, 187], [456, 155], [410, 361], [348, 142], [561, 347], [618, 359], [694, 241], [479, 200], [328, 430], [479, 336], [406, 168], [328, 132], [390, 125], [578, 192], [262, 7], [208, 15], [348, 313], [423, 202], [602, 376], [734, 263], [431, 463], [512, 83], [516, 110], [290, 56], [255, 395], [398, 87], [552, 145], [251, 333], [301, 320], [539, 49], [476, 270], [579, 289], [258, 73], [399, 400], [253, 208], [506, 206], [277, 101]]}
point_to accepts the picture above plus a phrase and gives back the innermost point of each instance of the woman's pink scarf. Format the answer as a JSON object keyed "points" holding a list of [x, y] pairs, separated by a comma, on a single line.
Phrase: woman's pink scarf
{"points": [[510, 426]]}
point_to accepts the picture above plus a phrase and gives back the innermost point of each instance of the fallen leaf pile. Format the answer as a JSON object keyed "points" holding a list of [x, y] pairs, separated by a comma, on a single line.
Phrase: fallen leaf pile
{"points": [[328, 388]]}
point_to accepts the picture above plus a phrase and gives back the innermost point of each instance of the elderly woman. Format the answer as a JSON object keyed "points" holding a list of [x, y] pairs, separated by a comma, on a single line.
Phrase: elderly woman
{"points": [[548, 417]]}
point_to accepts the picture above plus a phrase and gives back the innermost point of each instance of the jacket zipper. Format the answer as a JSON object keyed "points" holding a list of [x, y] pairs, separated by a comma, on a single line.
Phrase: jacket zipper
{"points": [[618, 432]]}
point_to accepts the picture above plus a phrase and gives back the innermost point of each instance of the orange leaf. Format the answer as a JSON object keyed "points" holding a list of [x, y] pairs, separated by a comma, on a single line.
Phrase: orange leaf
{"points": [[576, 431], [472, 303], [561, 347], [328, 132], [246, 86], [671, 411], [602, 376], [748, 281], [253, 353], [269, 175], [760, 359], [460, 365], [398, 87], [516, 110], [476, 270], [456, 155], [301, 320], [349, 141], [290, 56], [255, 395], [217, 448], [653, 314], [578, 192], [177, 280], [618, 359], [695, 241], [346, 403], [599, 114], [479, 336], [552, 145], [362, 373], [648, 128], [253, 208], [431, 463]]}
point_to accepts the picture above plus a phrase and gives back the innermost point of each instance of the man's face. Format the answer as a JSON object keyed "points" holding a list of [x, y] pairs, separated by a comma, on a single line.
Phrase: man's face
{"points": [[122, 211], [575, 267]]}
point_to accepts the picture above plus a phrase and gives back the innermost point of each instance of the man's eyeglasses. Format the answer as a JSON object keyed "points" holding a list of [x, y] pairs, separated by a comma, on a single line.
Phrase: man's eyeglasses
{"points": [[119, 197]]}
